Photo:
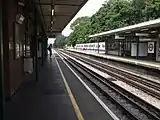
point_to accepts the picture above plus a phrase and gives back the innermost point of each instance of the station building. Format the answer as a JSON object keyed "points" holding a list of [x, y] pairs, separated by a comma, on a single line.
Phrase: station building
{"points": [[140, 41], [25, 26]]}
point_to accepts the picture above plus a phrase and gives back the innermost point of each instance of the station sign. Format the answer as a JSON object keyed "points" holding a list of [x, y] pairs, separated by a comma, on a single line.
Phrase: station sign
{"points": [[150, 47]]}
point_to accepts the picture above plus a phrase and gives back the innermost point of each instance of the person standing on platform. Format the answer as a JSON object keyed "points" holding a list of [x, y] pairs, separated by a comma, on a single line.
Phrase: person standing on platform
{"points": [[50, 50]]}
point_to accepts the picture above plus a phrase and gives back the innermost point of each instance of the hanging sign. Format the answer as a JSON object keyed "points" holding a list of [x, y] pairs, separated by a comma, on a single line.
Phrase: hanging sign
{"points": [[150, 47]]}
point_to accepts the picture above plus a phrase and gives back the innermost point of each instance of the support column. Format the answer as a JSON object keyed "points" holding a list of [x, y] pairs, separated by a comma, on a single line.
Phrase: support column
{"points": [[98, 45], [137, 40], [106, 48], [36, 48], [124, 47], [42, 45], [46, 51], [158, 48], [131, 37], [1, 68], [119, 47], [5, 27]]}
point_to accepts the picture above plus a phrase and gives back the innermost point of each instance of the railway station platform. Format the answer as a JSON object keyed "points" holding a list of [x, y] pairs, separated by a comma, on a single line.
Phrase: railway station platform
{"points": [[50, 99], [142, 63]]}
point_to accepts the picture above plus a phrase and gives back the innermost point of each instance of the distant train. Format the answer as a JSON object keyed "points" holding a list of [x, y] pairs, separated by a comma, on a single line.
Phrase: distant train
{"points": [[91, 46]]}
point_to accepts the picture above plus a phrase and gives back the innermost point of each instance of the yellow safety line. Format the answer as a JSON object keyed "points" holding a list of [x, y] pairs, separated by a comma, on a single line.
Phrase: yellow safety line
{"points": [[75, 106]]}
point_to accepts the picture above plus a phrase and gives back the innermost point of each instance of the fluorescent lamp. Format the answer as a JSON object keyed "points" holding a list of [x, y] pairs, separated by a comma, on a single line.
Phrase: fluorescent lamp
{"points": [[153, 31], [21, 3], [128, 32], [118, 37], [144, 29], [52, 12], [52, 22], [142, 34]]}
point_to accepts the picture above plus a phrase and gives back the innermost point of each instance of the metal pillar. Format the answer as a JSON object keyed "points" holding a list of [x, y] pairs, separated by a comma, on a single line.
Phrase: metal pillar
{"points": [[137, 40], [36, 48], [26, 36], [42, 51], [46, 51], [130, 39], [158, 46], [98, 46], [123, 48], [105, 46], [119, 47], [1, 68]]}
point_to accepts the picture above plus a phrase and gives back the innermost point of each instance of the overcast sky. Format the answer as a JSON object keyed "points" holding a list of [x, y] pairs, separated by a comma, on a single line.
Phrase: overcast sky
{"points": [[91, 7]]}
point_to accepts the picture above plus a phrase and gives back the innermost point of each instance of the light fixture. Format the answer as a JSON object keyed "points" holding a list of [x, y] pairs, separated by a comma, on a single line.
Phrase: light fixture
{"points": [[145, 29], [52, 22], [21, 3], [20, 18], [128, 32], [118, 37], [142, 34], [52, 11], [153, 31]]}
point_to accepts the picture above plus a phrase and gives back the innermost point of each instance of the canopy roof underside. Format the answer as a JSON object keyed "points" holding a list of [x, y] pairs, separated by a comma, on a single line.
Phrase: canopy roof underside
{"points": [[64, 11]]}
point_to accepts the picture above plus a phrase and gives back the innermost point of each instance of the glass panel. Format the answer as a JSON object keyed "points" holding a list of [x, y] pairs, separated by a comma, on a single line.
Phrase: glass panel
{"points": [[27, 48], [17, 41]]}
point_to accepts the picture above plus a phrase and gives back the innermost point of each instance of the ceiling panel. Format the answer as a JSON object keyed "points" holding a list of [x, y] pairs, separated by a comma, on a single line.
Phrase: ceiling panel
{"points": [[45, 1], [59, 22], [64, 11], [47, 18], [71, 2], [46, 9]]}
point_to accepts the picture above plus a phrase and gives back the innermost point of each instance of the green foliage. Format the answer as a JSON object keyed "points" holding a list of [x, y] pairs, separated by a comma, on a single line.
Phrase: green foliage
{"points": [[113, 14], [80, 32], [79, 21], [60, 41]]}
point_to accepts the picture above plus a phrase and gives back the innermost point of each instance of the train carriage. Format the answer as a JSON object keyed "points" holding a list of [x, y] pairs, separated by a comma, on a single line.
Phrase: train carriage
{"points": [[91, 46]]}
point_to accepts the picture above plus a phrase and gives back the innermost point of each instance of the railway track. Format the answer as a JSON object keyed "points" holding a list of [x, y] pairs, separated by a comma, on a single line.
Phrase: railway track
{"points": [[146, 85], [132, 106]]}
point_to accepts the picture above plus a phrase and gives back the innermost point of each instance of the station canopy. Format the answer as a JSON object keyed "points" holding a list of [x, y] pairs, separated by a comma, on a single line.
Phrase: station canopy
{"points": [[149, 26], [58, 13]]}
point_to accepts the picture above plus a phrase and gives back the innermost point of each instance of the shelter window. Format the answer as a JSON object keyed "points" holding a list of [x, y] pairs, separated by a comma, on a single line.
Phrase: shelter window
{"points": [[27, 41], [27, 48]]}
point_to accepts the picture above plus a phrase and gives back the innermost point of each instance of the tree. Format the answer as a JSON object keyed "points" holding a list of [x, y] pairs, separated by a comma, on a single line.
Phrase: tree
{"points": [[152, 9], [78, 21], [80, 32], [60, 41], [113, 14]]}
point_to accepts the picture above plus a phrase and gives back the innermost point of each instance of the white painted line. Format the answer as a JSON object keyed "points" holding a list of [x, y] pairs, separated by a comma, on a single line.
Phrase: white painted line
{"points": [[92, 93]]}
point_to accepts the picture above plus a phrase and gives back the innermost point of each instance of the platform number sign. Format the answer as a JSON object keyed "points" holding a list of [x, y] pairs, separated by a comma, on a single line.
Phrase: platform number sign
{"points": [[150, 47]]}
